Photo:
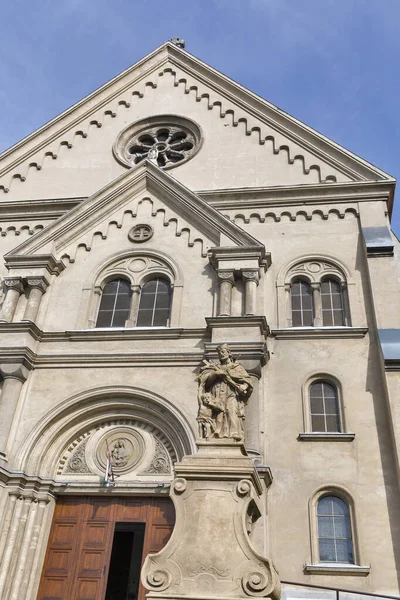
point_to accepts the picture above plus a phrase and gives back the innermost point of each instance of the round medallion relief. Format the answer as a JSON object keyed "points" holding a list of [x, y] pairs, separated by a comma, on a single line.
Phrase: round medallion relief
{"points": [[140, 233], [126, 446]]}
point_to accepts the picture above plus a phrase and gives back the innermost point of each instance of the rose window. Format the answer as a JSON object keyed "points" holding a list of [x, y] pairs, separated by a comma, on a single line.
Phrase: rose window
{"points": [[165, 140], [165, 145]]}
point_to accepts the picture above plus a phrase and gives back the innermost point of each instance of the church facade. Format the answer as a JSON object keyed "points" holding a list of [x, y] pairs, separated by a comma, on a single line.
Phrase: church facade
{"points": [[167, 214]]}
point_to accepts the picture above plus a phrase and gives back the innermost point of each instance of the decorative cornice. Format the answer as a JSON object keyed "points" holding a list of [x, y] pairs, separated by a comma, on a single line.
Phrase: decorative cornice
{"points": [[29, 486], [36, 261], [106, 334], [309, 333], [255, 252], [310, 194], [46, 208]]}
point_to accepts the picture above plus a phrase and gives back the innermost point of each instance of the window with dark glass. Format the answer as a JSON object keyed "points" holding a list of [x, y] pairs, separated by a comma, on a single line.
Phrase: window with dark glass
{"points": [[334, 531], [324, 407], [155, 303], [302, 304], [115, 304], [332, 303]]}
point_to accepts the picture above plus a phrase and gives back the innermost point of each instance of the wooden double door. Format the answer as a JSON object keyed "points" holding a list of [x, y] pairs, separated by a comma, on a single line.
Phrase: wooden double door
{"points": [[87, 536]]}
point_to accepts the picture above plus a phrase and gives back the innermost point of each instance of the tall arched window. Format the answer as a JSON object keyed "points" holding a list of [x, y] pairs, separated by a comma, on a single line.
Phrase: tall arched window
{"points": [[324, 407], [155, 304], [332, 303], [334, 530], [302, 304], [115, 304]]}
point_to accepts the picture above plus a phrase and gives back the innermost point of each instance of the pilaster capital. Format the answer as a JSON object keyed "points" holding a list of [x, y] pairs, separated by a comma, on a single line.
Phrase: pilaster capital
{"points": [[39, 283], [315, 285], [17, 370], [226, 276], [251, 275], [14, 283]]}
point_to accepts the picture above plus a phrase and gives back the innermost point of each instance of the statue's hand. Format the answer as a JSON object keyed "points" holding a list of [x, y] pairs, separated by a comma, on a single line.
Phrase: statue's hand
{"points": [[243, 387]]}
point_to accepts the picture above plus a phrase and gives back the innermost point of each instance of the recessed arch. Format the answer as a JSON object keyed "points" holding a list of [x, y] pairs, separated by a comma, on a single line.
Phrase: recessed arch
{"points": [[42, 450]]}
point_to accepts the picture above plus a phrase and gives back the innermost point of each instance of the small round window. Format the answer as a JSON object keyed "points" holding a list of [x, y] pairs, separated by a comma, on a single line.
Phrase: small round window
{"points": [[166, 140]]}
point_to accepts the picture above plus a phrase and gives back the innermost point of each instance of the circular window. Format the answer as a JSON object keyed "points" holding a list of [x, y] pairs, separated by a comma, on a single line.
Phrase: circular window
{"points": [[167, 140]]}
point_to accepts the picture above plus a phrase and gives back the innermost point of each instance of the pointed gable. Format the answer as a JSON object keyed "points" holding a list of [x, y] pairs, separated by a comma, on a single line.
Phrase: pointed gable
{"points": [[247, 142], [109, 206]]}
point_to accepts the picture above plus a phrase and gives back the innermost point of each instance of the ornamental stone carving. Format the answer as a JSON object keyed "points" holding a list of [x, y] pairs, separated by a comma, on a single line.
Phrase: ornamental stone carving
{"points": [[223, 393], [217, 495], [140, 233], [137, 450], [165, 140], [77, 462], [161, 462], [14, 283]]}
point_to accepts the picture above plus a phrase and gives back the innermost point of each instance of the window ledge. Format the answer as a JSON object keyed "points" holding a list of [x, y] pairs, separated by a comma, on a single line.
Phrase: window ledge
{"points": [[307, 333], [337, 569], [313, 436]]}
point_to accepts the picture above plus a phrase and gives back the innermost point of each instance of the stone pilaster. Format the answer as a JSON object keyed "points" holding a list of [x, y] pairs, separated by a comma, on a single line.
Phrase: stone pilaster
{"points": [[37, 287], [316, 292], [26, 512], [14, 376], [131, 322], [226, 282], [14, 288]]}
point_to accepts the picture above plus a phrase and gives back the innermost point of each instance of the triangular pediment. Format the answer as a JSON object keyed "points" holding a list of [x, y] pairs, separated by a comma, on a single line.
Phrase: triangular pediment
{"points": [[146, 182], [248, 141]]}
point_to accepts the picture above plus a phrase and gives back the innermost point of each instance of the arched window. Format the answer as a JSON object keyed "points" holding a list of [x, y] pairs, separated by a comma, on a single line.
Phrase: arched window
{"points": [[324, 407], [155, 303], [115, 304], [302, 304], [334, 530], [332, 303]]}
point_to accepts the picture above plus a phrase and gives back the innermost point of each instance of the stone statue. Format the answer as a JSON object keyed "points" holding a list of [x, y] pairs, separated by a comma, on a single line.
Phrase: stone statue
{"points": [[223, 393]]}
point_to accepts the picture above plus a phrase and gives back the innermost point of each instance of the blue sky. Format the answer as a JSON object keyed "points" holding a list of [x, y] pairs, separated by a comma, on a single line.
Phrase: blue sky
{"points": [[333, 64]]}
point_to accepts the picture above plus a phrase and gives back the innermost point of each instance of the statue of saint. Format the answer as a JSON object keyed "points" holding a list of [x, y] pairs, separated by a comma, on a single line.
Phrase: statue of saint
{"points": [[223, 393]]}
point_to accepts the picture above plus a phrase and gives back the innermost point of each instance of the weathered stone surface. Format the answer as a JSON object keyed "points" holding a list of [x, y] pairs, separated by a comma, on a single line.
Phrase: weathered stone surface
{"points": [[210, 555]]}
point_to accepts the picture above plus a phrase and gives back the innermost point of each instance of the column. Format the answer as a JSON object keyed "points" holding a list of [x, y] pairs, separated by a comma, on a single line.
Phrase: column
{"points": [[287, 321], [316, 292], [252, 421], [14, 375], [15, 288], [37, 287], [226, 283], [345, 301], [251, 279], [131, 322]]}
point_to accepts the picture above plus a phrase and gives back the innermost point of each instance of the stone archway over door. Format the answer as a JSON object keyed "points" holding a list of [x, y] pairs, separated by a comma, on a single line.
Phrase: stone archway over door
{"points": [[78, 554]]}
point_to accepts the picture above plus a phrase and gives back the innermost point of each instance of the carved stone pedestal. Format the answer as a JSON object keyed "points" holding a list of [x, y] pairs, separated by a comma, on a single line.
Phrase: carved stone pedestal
{"points": [[216, 494]]}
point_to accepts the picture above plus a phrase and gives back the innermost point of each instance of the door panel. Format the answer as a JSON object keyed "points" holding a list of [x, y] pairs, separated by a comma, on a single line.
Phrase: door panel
{"points": [[80, 543]]}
